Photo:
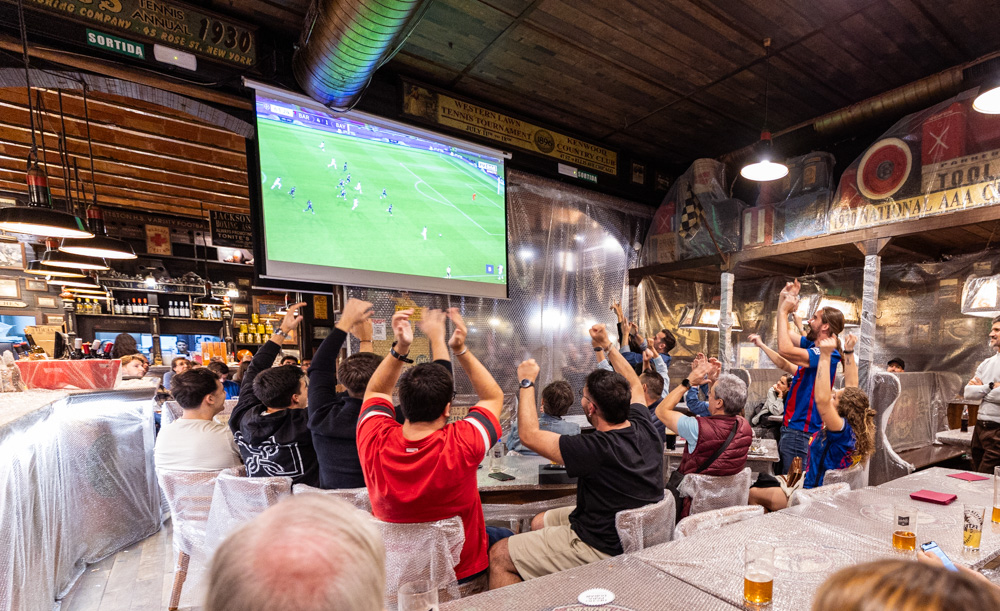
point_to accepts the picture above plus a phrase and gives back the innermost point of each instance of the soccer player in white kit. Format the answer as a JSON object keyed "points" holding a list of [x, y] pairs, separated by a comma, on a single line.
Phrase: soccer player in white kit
{"points": [[358, 188], [448, 272], [332, 163], [355, 204], [424, 232], [277, 183]]}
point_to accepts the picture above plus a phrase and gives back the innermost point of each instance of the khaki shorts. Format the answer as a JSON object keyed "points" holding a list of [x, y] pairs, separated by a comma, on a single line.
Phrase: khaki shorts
{"points": [[552, 549]]}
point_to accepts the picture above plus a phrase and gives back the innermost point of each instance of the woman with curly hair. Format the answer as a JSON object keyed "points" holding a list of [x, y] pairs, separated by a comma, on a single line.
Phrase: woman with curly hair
{"points": [[846, 439]]}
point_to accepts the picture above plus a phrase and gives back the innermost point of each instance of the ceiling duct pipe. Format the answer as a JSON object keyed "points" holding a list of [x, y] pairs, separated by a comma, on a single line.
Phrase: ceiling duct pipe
{"points": [[345, 41]]}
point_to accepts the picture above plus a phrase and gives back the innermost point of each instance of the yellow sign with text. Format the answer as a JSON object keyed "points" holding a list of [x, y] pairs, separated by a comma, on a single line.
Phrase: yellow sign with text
{"points": [[478, 121], [939, 202]]}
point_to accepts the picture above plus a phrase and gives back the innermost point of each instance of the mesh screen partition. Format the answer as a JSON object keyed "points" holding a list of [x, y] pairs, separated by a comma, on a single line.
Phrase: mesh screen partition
{"points": [[568, 251]]}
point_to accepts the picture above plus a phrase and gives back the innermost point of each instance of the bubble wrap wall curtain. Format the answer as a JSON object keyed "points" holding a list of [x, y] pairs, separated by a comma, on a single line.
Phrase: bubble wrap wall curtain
{"points": [[869, 308], [568, 251], [726, 323]]}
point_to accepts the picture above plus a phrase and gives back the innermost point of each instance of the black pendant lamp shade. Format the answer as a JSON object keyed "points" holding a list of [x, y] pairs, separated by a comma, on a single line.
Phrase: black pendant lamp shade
{"points": [[38, 217], [36, 268], [209, 298], [55, 258], [87, 282], [101, 245]]}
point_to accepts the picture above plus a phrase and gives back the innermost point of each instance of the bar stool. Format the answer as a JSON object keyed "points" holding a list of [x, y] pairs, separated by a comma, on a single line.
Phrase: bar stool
{"points": [[646, 526]]}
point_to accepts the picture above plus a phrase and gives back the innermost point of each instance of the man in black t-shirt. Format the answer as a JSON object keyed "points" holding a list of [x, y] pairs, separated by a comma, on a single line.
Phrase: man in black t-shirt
{"points": [[619, 467]]}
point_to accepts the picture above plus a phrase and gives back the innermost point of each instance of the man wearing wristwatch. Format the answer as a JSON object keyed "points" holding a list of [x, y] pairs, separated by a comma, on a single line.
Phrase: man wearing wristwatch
{"points": [[984, 386]]}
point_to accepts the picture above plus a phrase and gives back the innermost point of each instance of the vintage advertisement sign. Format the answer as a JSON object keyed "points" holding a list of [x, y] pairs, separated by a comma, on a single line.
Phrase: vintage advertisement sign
{"points": [[158, 240], [438, 108], [230, 229], [165, 22], [116, 44]]}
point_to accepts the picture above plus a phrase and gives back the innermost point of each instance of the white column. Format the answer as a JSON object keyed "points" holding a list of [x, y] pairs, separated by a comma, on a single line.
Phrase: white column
{"points": [[864, 351], [726, 323]]}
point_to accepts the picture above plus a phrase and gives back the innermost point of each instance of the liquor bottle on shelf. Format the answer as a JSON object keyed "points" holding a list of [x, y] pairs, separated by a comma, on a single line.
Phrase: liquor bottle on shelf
{"points": [[145, 306], [128, 307], [97, 307], [117, 307], [185, 309]]}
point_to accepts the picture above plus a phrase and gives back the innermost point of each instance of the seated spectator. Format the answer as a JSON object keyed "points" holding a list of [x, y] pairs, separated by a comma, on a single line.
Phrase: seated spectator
{"points": [[652, 389], [178, 365], [774, 404], [619, 466], [723, 430], [846, 438], [289, 360], [896, 365], [222, 370], [904, 585], [424, 470], [270, 422], [306, 364], [134, 365], [196, 442], [693, 397], [557, 398], [241, 370], [323, 554], [124, 345]]}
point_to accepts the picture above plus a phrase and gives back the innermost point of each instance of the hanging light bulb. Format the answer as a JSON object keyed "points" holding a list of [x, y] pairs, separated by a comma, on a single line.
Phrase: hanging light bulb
{"points": [[764, 169], [988, 102]]}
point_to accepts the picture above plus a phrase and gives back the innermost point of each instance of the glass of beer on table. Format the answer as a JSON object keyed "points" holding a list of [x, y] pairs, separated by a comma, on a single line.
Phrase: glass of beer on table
{"points": [[972, 527], [758, 573], [904, 529], [996, 494]]}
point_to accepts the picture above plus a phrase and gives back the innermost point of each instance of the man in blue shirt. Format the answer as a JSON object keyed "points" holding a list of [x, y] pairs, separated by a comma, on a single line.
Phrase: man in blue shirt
{"points": [[222, 371], [802, 418], [557, 398]]}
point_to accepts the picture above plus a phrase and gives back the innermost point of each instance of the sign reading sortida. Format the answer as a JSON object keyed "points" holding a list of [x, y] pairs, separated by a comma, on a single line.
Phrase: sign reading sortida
{"points": [[447, 111], [169, 23]]}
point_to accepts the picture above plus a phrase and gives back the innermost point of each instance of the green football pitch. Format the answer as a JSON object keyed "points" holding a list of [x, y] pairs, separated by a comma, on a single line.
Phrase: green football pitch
{"points": [[457, 204]]}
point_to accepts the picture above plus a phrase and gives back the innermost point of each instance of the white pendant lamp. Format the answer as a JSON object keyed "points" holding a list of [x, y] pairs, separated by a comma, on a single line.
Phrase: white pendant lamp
{"points": [[763, 169]]}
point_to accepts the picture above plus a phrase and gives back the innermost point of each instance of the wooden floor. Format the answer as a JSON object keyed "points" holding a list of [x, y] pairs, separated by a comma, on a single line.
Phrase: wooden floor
{"points": [[138, 578]]}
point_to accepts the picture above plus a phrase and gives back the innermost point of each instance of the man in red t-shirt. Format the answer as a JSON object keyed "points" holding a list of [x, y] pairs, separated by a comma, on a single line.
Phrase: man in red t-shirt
{"points": [[424, 469]]}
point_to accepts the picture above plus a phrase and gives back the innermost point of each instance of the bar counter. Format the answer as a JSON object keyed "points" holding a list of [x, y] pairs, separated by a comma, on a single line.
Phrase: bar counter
{"points": [[76, 484]]}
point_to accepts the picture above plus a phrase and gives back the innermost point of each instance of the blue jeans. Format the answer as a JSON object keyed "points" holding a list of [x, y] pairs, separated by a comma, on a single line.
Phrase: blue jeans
{"points": [[793, 443]]}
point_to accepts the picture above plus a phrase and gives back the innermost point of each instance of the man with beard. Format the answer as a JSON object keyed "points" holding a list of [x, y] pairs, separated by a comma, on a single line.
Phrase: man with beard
{"points": [[986, 386], [802, 418]]}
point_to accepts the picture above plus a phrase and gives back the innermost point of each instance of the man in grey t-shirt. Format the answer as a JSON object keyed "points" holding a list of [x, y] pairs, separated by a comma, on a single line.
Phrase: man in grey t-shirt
{"points": [[985, 385]]}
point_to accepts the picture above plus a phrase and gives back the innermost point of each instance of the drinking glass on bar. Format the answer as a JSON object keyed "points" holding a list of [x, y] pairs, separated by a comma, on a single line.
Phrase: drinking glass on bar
{"points": [[972, 527], [996, 494], [904, 528], [758, 573], [418, 596]]}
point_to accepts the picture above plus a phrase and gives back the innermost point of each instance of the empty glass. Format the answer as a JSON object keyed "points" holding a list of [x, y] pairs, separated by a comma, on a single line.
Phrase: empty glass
{"points": [[418, 596]]}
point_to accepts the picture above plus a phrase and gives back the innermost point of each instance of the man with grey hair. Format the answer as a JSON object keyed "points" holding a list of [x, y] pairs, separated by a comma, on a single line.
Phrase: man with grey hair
{"points": [[985, 386], [309, 552], [717, 444]]}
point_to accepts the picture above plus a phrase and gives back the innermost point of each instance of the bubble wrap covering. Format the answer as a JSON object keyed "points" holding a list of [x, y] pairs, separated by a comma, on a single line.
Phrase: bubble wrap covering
{"points": [[647, 526], [427, 550], [823, 493], [355, 496], [717, 518], [922, 408], [518, 517], [76, 483], [708, 492], [855, 476], [569, 252], [237, 499], [885, 464]]}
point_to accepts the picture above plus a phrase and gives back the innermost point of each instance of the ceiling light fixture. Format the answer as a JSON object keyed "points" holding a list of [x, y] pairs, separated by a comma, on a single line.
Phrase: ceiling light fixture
{"points": [[764, 169], [55, 258], [36, 268], [87, 282], [988, 102]]}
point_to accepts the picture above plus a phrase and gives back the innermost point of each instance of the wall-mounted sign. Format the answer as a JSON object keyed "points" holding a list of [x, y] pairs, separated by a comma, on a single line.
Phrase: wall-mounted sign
{"points": [[320, 307], [433, 107], [118, 45], [158, 240], [10, 303], [230, 229], [165, 22]]}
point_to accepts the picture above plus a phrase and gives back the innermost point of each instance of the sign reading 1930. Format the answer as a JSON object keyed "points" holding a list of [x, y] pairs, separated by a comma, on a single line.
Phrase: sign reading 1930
{"points": [[170, 23]]}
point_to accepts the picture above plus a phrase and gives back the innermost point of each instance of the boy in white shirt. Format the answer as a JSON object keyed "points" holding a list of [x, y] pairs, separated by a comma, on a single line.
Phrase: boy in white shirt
{"points": [[985, 386], [195, 442]]}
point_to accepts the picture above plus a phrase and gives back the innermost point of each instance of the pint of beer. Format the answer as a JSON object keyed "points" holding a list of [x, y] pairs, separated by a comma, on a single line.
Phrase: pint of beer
{"points": [[972, 527], [758, 573], [904, 529], [996, 494]]}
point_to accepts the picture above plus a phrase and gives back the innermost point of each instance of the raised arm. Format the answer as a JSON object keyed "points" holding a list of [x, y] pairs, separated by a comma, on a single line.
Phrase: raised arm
{"points": [[822, 391], [545, 443], [364, 330], [786, 348], [850, 363], [387, 374], [779, 361], [490, 395], [434, 324], [323, 370], [665, 410], [599, 338]]}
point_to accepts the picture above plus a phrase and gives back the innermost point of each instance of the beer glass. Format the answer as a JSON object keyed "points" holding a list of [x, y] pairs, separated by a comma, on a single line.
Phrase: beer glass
{"points": [[996, 494], [418, 596], [972, 527], [758, 573], [904, 529]]}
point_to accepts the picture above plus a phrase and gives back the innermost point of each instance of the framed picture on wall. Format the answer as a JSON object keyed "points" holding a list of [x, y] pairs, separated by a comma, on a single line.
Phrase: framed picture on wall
{"points": [[321, 332], [10, 287], [47, 302], [240, 308], [39, 286], [52, 319], [268, 305], [11, 255]]}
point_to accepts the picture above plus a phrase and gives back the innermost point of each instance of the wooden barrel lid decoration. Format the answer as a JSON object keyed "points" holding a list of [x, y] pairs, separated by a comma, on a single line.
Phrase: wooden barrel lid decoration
{"points": [[884, 168]]}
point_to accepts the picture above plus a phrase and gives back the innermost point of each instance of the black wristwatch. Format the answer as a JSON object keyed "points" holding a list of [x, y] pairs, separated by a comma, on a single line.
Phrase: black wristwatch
{"points": [[991, 385], [598, 349], [396, 355], [526, 383], [686, 383]]}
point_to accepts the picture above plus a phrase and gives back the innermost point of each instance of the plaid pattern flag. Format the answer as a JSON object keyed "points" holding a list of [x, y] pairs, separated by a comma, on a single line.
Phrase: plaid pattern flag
{"points": [[691, 214]]}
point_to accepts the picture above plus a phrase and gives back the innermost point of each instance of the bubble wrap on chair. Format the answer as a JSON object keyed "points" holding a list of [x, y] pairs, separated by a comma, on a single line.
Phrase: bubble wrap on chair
{"points": [[855, 476], [428, 550], [717, 518], [238, 499], [355, 496], [803, 496], [518, 517], [646, 526], [709, 492]]}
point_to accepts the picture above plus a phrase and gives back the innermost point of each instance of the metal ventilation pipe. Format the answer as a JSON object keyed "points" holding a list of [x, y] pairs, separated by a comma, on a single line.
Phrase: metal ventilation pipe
{"points": [[345, 41]]}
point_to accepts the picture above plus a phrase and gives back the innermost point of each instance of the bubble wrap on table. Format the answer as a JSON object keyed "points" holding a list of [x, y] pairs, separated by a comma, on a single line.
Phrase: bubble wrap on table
{"points": [[355, 496], [855, 476], [76, 483], [636, 585], [708, 492], [646, 526], [806, 554], [717, 518], [428, 550], [238, 499], [823, 493], [956, 437], [518, 517]]}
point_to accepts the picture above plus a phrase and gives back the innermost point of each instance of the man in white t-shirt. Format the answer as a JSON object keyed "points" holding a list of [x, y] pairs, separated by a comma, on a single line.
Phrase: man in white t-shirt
{"points": [[985, 386], [195, 442]]}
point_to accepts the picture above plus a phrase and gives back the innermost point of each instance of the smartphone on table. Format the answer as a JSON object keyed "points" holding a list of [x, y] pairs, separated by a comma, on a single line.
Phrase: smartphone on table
{"points": [[503, 477], [933, 548]]}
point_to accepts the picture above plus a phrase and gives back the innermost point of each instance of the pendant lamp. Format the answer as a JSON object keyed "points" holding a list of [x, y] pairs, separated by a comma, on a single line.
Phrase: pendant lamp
{"points": [[55, 258], [86, 282], [36, 268], [764, 169], [988, 102]]}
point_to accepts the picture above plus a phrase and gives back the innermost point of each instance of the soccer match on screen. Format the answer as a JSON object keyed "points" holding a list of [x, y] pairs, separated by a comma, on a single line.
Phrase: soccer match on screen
{"points": [[341, 192]]}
